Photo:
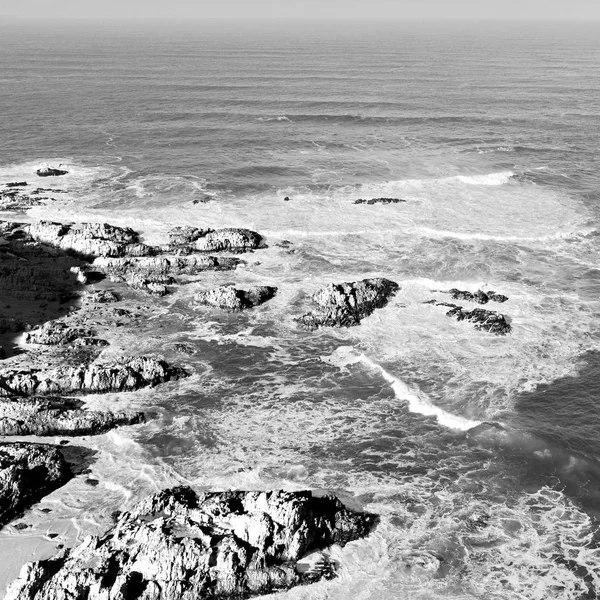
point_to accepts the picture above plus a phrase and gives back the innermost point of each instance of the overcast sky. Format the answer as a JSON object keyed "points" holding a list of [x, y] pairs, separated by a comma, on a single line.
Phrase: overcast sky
{"points": [[378, 9]]}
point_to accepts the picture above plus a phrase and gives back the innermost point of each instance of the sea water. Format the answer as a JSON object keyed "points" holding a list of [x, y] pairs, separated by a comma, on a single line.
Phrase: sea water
{"points": [[481, 453]]}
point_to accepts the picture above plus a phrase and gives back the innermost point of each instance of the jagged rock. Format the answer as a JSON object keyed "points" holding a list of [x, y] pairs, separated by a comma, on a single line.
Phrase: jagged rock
{"points": [[179, 545], [51, 172], [379, 201], [101, 297], [125, 375], [58, 416], [186, 235], [346, 304], [230, 239], [153, 284], [485, 320], [17, 200], [480, 297], [90, 239], [229, 298], [184, 348], [56, 333], [27, 473]]}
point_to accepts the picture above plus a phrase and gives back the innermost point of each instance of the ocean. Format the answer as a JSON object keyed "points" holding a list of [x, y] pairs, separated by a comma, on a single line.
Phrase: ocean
{"points": [[481, 453]]}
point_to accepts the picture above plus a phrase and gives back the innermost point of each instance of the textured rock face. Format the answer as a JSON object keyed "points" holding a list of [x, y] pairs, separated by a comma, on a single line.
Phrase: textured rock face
{"points": [[56, 333], [186, 235], [480, 297], [484, 320], [379, 201], [231, 240], [346, 304], [129, 374], [229, 298], [27, 473], [177, 545], [58, 416], [90, 239]]}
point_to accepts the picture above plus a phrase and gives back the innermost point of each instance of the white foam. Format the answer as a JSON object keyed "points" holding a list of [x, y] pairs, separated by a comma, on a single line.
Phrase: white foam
{"points": [[417, 402], [488, 179]]}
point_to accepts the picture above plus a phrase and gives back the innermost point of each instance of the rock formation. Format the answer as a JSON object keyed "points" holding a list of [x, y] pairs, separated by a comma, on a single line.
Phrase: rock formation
{"points": [[179, 545], [126, 375], [346, 304], [54, 333], [379, 201], [27, 473], [228, 297], [51, 171], [229, 240], [485, 320], [58, 416], [480, 297]]}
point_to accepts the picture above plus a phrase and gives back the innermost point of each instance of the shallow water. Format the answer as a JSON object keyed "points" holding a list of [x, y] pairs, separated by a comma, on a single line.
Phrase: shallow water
{"points": [[480, 452]]}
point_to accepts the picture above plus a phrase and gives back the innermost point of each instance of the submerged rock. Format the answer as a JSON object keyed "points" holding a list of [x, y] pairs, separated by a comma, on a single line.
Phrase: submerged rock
{"points": [[480, 297], [58, 416], [127, 375], [51, 172], [180, 545], [346, 304], [27, 473], [229, 298], [379, 201]]}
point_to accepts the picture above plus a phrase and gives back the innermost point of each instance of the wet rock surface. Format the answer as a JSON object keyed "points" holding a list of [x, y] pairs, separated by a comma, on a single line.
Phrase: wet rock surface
{"points": [[127, 374], [58, 416], [484, 320], [346, 304], [230, 240], [51, 172], [379, 201], [180, 545], [230, 298], [27, 473], [479, 297], [55, 333]]}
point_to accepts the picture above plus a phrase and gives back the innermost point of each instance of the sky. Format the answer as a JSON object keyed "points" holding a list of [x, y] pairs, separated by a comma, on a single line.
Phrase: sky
{"points": [[315, 9]]}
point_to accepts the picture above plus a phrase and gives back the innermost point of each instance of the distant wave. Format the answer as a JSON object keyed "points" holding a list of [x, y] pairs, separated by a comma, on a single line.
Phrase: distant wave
{"points": [[488, 179], [417, 403], [502, 238]]}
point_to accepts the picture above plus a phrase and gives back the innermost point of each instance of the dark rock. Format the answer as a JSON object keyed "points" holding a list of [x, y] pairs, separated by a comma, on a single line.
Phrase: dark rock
{"points": [[286, 199], [179, 545], [379, 201], [480, 297], [51, 172], [91, 482], [58, 416], [185, 348], [27, 473], [485, 320], [20, 526], [186, 235], [346, 304], [14, 184], [229, 298], [125, 375]]}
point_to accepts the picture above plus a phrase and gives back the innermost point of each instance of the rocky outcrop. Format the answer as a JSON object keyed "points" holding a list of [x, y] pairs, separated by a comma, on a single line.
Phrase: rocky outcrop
{"points": [[179, 545], [183, 236], [379, 201], [230, 240], [51, 172], [480, 297], [90, 240], [101, 297], [55, 333], [346, 304], [228, 297], [27, 473], [58, 416], [484, 320], [126, 375]]}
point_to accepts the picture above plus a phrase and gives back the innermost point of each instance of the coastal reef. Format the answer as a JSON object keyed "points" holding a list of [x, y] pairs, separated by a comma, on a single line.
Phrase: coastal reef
{"points": [[479, 297], [379, 201], [484, 320], [346, 304], [178, 544]]}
